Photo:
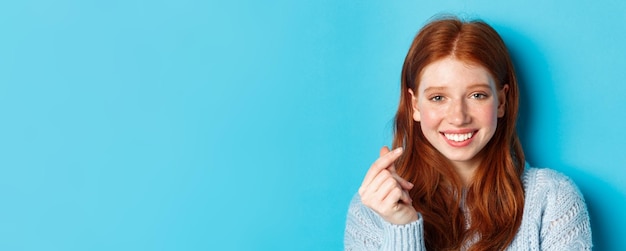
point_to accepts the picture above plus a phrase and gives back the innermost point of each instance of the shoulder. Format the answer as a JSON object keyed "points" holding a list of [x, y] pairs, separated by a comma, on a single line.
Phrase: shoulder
{"points": [[551, 191], [555, 204], [548, 180]]}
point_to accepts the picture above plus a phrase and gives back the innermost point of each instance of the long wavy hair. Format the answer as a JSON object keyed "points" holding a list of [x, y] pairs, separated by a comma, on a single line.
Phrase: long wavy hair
{"points": [[488, 211]]}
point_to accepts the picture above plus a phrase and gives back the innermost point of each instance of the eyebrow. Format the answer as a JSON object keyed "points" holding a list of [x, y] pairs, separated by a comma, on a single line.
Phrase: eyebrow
{"points": [[480, 85], [441, 88], [434, 89]]}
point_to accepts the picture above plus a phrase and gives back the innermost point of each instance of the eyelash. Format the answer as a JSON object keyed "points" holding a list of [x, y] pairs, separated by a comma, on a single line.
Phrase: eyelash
{"points": [[436, 98], [439, 98], [480, 96]]}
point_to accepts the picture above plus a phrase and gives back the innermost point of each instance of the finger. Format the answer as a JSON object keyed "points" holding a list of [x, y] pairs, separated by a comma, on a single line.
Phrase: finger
{"points": [[384, 150], [376, 185], [406, 198], [395, 192], [392, 201], [405, 184], [388, 191], [381, 163]]}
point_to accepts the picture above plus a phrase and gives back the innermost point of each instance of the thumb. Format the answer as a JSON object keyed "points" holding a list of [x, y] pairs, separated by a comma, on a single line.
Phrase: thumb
{"points": [[384, 151]]}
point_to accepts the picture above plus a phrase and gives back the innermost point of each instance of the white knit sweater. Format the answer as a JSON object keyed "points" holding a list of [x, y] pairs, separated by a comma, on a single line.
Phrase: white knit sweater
{"points": [[555, 218]]}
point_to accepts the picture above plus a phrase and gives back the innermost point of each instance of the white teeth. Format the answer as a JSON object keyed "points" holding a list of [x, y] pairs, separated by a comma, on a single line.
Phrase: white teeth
{"points": [[458, 137]]}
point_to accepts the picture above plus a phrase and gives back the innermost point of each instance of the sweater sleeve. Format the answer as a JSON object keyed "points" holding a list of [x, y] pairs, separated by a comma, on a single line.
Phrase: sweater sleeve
{"points": [[565, 225], [366, 230]]}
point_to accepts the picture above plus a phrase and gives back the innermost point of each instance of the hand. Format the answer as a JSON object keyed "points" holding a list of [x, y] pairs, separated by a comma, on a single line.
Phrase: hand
{"points": [[385, 192]]}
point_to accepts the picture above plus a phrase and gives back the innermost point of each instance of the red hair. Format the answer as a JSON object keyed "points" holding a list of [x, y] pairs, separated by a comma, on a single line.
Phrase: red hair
{"points": [[495, 196]]}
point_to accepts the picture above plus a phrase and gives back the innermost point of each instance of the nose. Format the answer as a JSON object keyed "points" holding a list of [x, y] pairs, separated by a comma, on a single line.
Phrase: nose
{"points": [[458, 113]]}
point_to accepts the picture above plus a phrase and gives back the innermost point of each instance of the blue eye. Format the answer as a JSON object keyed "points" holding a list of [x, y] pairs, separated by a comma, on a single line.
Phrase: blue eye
{"points": [[436, 98], [479, 96]]}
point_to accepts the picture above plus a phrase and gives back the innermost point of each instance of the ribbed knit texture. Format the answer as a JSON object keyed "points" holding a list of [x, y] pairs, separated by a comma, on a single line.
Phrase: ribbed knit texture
{"points": [[555, 218]]}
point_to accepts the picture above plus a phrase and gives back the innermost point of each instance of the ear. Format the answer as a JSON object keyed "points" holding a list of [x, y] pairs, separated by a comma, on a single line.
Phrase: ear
{"points": [[416, 112], [502, 100]]}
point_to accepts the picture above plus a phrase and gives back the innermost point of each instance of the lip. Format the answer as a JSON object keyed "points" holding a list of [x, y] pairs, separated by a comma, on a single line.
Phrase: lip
{"points": [[460, 131]]}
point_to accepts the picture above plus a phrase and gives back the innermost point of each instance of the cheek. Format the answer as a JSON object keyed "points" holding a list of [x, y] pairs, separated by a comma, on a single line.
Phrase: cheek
{"points": [[489, 115], [431, 118]]}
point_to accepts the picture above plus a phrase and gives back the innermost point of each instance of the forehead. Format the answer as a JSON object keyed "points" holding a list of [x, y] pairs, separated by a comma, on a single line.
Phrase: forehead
{"points": [[450, 72]]}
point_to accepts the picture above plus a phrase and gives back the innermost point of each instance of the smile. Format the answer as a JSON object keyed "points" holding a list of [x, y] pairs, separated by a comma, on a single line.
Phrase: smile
{"points": [[459, 137]]}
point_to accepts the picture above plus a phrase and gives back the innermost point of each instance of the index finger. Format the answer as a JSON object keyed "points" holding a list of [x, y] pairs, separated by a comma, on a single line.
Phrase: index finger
{"points": [[381, 163]]}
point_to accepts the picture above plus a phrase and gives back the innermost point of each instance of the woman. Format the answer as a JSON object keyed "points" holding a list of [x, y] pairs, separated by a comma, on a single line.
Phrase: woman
{"points": [[457, 179]]}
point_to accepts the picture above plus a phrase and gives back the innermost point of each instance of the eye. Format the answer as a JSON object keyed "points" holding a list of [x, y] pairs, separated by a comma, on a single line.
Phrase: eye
{"points": [[436, 98], [479, 95]]}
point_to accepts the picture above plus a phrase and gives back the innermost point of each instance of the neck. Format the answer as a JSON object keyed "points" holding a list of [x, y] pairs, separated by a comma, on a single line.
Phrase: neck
{"points": [[466, 170]]}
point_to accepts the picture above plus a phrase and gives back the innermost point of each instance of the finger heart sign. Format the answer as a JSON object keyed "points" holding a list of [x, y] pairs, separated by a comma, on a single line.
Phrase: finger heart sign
{"points": [[385, 192]]}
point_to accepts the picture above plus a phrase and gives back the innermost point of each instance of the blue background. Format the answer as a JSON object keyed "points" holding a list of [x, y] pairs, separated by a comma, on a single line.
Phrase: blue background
{"points": [[248, 125]]}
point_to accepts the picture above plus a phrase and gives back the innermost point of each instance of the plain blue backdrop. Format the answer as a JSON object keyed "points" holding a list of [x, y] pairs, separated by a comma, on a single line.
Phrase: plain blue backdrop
{"points": [[248, 125]]}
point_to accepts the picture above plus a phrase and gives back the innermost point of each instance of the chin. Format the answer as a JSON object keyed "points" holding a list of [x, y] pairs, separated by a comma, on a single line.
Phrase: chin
{"points": [[461, 157]]}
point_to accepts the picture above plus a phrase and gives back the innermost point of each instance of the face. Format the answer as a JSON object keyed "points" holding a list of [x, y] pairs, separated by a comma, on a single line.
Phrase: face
{"points": [[458, 106]]}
